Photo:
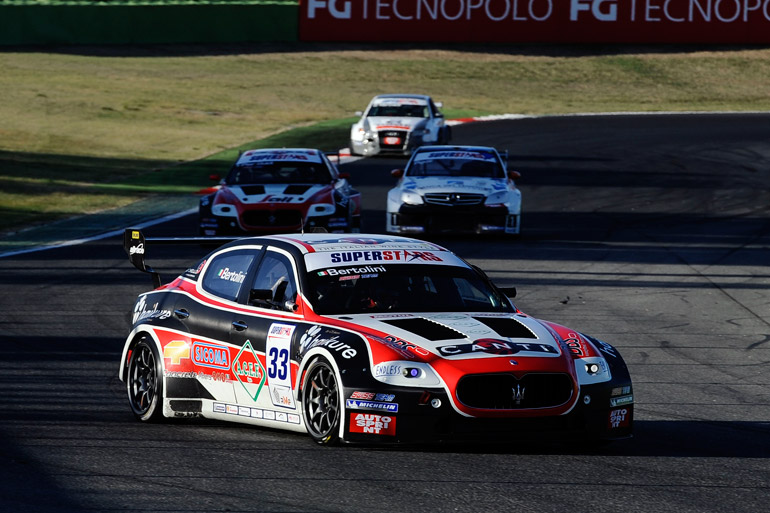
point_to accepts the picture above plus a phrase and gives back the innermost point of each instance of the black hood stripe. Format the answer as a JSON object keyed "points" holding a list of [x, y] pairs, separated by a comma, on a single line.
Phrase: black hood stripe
{"points": [[426, 328]]}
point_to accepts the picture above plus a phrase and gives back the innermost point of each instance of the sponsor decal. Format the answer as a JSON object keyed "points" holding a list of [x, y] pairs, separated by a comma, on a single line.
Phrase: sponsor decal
{"points": [[249, 371], [316, 337], [176, 350], [495, 347], [136, 250], [278, 361], [404, 348], [553, 21], [360, 404], [619, 418], [256, 413], [387, 369], [263, 157], [272, 198], [469, 155], [575, 345], [386, 255], [211, 355], [605, 348], [233, 276], [141, 312], [366, 270], [372, 424], [362, 395]]}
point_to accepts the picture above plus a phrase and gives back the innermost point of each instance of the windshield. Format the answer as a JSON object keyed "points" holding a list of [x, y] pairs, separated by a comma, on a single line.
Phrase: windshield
{"points": [[401, 111], [279, 172], [452, 165], [402, 288]]}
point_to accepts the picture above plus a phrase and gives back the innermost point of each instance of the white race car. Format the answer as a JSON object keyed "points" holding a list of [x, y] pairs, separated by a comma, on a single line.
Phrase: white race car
{"points": [[398, 123], [455, 189]]}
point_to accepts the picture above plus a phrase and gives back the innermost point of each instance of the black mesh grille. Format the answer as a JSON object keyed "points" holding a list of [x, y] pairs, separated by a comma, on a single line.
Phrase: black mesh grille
{"points": [[453, 198], [505, 392], [384, 136], [272, 218]]}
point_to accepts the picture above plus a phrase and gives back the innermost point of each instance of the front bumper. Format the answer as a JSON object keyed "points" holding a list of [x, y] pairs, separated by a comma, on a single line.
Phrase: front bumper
{"points": [[271, 222], [427, 416], [438, 219]]}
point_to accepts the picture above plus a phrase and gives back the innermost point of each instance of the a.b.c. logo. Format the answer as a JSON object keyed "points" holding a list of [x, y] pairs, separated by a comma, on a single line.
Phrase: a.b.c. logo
{"points": [[249, 370]]}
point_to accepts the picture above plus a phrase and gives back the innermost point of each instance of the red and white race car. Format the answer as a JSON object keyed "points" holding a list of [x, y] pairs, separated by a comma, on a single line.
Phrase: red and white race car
{"points": [[371, 338], [281, 190]]}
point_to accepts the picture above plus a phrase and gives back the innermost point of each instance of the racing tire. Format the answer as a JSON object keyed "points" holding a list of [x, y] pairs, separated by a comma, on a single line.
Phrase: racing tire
{"points": [[144, 382], [321, 404]]}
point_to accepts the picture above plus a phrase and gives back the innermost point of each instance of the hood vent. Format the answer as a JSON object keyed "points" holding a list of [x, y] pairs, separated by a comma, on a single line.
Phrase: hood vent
{"points": [[296, 189], [426, 328], [510, 328], [250, 190]]}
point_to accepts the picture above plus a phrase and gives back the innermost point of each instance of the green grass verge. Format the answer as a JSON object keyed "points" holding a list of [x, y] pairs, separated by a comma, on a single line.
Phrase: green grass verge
{"points": [[86, 129], [37, 189]]}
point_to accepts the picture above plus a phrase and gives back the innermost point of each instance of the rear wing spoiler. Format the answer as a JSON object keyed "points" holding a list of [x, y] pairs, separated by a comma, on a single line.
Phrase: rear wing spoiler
{"points": [[135, 244]]}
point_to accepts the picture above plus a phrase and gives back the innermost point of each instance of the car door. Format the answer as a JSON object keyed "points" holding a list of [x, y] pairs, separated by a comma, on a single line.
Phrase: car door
{"points": [[265, 329]]}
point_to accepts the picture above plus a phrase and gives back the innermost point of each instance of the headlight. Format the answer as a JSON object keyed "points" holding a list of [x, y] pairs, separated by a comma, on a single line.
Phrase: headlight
{"points": [[321, 209], [224, 210], [497, 198], [592, 370], [406, 374], [359, 135], [411, 198]]}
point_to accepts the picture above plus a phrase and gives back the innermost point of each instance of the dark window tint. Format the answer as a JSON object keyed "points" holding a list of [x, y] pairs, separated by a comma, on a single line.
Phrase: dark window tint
{"points": [[275, 273], [227, 272]]}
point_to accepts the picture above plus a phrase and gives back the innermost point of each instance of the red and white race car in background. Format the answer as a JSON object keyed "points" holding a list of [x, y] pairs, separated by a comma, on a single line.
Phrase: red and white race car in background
{"points": [[398, 123], [281, 190]]}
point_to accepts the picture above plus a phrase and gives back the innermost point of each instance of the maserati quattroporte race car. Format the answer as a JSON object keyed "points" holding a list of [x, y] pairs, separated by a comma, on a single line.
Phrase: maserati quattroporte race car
{"points": [[371, 338], [454, 189], [398, 123], [279, 190]]}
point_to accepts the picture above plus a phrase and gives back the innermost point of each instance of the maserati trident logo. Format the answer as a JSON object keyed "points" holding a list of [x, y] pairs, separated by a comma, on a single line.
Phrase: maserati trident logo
{"points": [[518, 394]]}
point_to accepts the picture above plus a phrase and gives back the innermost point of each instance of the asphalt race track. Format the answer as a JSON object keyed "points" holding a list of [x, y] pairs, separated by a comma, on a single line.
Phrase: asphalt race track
{"points": [[651, 232]]}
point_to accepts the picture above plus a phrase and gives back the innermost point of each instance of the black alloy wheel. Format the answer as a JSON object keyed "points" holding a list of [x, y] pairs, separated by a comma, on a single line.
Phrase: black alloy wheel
{"points": [[145, 382], [321, 402]]}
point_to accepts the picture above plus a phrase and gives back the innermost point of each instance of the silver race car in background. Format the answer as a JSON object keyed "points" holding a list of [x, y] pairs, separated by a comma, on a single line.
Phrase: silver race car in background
{"points": [[398, 123], [455, 189]]}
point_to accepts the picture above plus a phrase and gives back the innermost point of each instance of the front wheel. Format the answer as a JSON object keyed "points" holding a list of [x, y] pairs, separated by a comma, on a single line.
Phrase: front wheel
{"points": [[321, 402], [145, 382]]}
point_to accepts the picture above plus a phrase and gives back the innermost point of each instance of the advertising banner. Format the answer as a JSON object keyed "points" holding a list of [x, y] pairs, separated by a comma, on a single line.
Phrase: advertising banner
{"points": [[536, 21]]}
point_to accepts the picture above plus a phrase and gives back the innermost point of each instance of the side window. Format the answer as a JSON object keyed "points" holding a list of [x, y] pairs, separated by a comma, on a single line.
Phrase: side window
{"points": [[227, 272], [275, 274]]}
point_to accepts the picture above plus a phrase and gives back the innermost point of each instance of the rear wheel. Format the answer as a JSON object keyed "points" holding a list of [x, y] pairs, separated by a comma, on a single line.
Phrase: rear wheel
{"points": [[321, 402], [145, 382]]}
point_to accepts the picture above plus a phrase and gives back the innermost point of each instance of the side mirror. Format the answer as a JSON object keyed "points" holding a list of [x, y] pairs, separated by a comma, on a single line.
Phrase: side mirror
{"points": [[513, 175], [214, 177], [397, 173], [260, 296], [508, 291], [359, 113], [438, 104]]}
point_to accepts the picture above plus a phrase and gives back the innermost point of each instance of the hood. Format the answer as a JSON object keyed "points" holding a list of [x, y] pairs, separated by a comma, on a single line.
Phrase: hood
{"points": [[395, 123], [429, 184], [275, 193], [465, 336]]}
